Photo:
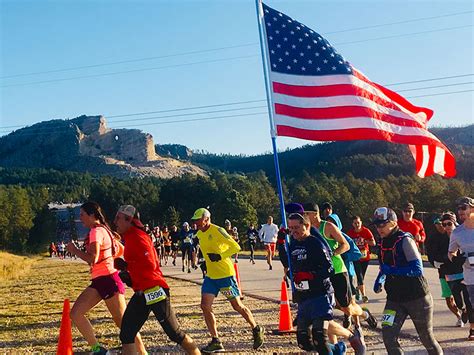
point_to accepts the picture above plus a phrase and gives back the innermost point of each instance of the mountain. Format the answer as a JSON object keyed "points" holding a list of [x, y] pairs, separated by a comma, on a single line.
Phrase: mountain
{"points": [[364, 159], [85, 144]]}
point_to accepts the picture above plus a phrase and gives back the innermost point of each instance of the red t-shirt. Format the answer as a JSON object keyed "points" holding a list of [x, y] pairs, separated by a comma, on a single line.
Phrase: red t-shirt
{"points": [[142, 261], [362, 239], [413, 227]]}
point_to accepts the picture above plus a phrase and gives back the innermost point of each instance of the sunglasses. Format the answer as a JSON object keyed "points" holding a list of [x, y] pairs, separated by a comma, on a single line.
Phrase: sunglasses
{"points": [[447, 224], [463, 207], [381, 225]]}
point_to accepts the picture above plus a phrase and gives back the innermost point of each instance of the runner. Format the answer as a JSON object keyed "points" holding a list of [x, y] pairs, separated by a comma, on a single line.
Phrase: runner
{"points": [[141, 264], [340, 279], [166, 244], [462, 239], [217, 247], [335, 330], [363, 238], [195, 246], [186, 237], [252, 235], [268, 235], [175, 237], [235, 236], [455, 276], [106, 284], [406, 287], [437, 250], [412, 225], [312, 266]]}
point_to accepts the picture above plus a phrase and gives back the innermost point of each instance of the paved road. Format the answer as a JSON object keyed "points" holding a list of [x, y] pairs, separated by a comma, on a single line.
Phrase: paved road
{"points": [[257, 280]]}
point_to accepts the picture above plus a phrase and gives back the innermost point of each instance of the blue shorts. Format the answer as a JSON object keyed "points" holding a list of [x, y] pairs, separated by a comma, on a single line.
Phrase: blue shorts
{"points": [[227, 286], [318, 307]]}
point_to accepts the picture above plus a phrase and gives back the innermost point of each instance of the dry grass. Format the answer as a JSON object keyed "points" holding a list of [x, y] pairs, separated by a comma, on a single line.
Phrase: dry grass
{"points": [[31, 306], [13, 266]]}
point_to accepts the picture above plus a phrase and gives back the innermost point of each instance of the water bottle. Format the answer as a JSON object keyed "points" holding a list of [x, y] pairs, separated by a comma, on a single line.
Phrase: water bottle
{"points": [[379, 281]]}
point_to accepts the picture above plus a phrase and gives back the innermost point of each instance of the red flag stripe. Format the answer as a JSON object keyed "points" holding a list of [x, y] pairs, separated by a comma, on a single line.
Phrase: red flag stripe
{"points": [[332, 90], [398, 99], [341, 112], [340, 101]]}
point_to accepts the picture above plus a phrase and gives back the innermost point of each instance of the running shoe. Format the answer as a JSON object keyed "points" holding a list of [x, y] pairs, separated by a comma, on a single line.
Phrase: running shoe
{"points": [[215, 346], [270, 267], [471, 334], [258, 336], [182, 268], [253, 262], [464, 316], [371, 321], [189, 270], [357, 343], [365, 299], [338, 348], [346, 323], [174, 262]]}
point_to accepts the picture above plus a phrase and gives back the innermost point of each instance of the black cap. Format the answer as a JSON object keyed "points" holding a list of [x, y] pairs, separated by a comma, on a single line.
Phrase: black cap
{"points": [[408, 206], [465, 200]]}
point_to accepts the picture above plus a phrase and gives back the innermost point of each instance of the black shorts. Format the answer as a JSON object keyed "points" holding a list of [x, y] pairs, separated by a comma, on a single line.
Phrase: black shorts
{"points": [[174, 247], [167, 248], [137, 313], [342, 289]]}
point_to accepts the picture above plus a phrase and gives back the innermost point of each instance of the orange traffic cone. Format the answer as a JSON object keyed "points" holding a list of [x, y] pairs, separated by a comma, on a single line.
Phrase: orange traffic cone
{"points": [[65, 332], [286, 325], [237, 276]]}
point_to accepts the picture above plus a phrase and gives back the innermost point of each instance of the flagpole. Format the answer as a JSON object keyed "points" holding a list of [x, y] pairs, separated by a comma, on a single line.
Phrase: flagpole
{"points": [[265, 63]]}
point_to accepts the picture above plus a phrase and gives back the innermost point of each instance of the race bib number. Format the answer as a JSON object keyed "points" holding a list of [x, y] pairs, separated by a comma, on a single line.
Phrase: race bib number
{"points": [[470, 258], [302, 286], [187, 240], [437, 264], [154, 295], [388, 318], [364, 253], [227, 292]]}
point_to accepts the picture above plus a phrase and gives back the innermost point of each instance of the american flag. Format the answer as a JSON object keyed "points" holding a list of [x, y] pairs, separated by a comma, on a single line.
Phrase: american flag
{"points": [[317, 95]]}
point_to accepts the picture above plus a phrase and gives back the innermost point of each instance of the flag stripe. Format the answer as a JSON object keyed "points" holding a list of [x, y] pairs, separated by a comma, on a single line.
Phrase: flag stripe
{"points": [[350, 135], [352, 123], [398, 99], [341, 112], [338, 101]]}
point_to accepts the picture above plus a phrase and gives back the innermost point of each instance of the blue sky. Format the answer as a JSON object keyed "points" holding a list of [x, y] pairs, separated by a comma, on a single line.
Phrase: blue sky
{"points": [[43, 36]]}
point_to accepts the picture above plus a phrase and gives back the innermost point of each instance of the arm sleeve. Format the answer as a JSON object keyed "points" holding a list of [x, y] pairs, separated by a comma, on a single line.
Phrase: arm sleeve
{"points": [[145, 254], [233, 246], [422, 232], [410, 249], [453, 244]]}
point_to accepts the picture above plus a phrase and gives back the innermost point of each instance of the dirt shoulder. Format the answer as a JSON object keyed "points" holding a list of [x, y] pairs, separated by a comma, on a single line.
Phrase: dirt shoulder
{"points": [[30, 314]]}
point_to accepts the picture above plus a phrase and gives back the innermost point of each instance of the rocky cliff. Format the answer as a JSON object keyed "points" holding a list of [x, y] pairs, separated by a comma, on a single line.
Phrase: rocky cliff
{"points": [[86, 144]]}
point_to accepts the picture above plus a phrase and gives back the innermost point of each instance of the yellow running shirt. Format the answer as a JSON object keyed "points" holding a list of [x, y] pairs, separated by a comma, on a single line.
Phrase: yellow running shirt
{"points": [[216, 240]]}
